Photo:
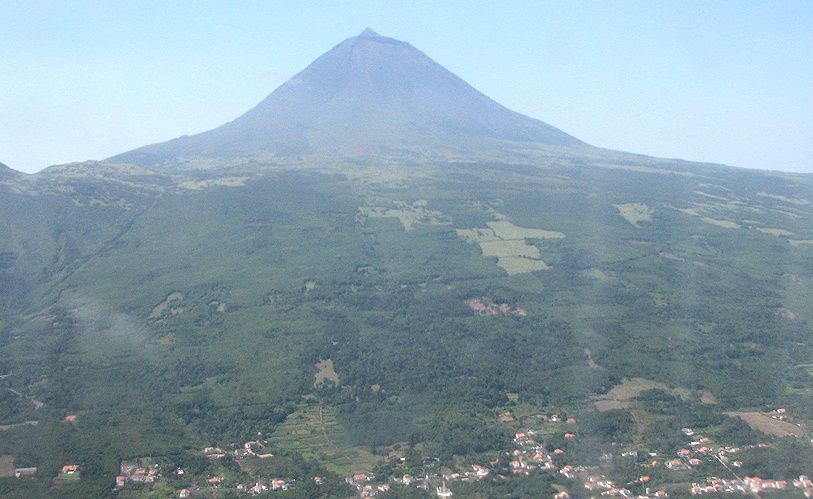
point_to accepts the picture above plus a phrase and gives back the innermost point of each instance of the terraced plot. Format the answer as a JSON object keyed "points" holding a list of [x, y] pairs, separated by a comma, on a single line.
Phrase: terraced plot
{"points": [[314, 432]]}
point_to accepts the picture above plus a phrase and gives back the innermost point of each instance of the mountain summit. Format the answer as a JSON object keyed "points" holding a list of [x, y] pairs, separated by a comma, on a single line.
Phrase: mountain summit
{"points": [[369, 94]]}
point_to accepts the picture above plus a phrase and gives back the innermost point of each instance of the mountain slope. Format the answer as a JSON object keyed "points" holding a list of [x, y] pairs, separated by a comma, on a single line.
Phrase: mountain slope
{"points": [[5, 171], [368, 94]]}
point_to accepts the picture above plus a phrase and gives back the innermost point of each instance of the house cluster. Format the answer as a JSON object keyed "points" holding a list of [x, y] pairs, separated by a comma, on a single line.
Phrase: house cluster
{"points": [[606, 488], [601, 485], [363, 483], [141, 471], [484, 306], [252, 448], [755, 485], [701, 449], [275, 484], [529, 455]]}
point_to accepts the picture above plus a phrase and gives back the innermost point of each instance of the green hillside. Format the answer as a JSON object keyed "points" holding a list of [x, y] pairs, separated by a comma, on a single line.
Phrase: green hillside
{"points": [[175, 312]]}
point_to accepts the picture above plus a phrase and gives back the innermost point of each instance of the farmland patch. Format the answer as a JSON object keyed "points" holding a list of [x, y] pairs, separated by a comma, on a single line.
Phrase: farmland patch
{"points": [[508, 243], [314, 432], [635, 213]]}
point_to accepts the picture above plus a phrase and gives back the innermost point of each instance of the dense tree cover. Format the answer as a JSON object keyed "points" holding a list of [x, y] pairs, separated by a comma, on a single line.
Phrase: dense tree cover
{"points": [[303, 277]]}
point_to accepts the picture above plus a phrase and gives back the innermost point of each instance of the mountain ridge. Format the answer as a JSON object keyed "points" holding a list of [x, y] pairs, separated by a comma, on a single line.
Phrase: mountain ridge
{"points": [[368, 94]]}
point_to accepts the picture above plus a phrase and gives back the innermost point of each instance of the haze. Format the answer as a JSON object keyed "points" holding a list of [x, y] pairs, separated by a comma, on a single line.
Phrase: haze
{"points": [[727, 83]]}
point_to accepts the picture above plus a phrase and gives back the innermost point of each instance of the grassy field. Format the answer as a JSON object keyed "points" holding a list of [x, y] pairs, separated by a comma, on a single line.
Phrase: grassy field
{"points": [[768, 425], [622, 395]]}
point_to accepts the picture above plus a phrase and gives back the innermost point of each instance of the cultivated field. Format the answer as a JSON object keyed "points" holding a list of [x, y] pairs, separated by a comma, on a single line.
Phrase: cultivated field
{"points": [[314, 432]]}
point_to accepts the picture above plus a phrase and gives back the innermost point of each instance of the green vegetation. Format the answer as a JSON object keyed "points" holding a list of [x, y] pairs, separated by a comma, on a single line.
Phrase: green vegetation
{"points": [[171, 318]]}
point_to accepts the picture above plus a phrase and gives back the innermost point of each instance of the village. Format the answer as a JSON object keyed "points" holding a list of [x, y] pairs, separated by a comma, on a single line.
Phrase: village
{"points": [[532, 453]]}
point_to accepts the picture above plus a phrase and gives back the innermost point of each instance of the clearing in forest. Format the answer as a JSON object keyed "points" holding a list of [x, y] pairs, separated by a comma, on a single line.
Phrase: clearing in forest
{"points": [[635, 213], [786, 199], [408, 214], [621, 395], [768, 425], [773, 231], [325, 374], [159, 309], [6, 466], [508, 243], [199, 185], [597, 274]]}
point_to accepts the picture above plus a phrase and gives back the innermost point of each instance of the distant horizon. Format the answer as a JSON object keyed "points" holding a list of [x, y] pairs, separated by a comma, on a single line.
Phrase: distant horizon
{"points": [[725, 84]]}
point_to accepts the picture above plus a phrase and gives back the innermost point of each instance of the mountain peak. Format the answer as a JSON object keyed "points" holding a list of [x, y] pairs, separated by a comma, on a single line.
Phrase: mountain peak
{"points": [[363, 98], [369, 33]]}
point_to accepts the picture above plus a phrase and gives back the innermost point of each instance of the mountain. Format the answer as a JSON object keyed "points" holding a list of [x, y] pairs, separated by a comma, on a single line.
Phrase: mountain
{"points": [[408, 314], [369, 94], [5, 171]]}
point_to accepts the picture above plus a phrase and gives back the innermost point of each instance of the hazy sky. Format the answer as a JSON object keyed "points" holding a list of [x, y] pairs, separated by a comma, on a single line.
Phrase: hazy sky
{"points": [[720, 81]]}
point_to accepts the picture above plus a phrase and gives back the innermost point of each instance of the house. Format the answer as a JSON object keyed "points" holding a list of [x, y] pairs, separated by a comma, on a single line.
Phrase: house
{"points": [[184, 493], [23, 472], [570, 435], [70, 418], [70, 469], [480, 470], [360, 476], [120, 481], [695, 462], [278, 484], [558, 452], [562, 495]]}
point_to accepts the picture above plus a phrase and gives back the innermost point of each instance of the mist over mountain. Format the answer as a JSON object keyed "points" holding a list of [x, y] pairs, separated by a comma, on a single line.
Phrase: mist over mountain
{"points": [[369, 94]]}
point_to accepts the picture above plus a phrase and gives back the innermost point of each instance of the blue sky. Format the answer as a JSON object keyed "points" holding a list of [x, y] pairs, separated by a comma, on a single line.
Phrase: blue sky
{"points": [[719, 81]]}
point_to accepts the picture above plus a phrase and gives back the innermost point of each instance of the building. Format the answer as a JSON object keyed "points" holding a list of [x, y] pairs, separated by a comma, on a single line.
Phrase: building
{"points": [[23, 472], [444, 491]]}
